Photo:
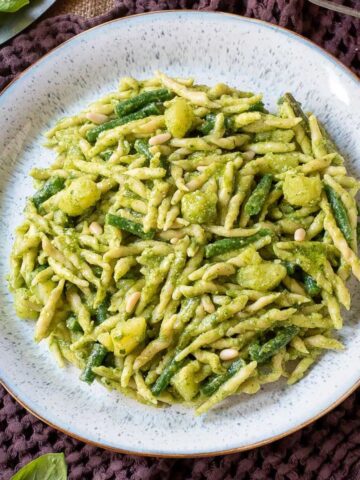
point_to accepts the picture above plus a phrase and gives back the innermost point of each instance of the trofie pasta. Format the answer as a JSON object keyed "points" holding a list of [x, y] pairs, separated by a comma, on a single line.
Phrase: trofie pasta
{"points": [[187, 245]]}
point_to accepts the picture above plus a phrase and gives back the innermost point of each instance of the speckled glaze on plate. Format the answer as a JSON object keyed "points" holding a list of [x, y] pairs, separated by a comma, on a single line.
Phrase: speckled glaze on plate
{"points": [[212, 48]]}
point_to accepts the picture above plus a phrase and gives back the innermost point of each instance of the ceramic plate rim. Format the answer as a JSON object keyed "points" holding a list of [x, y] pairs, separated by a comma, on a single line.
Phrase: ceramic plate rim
{"points": [[12, 390]]}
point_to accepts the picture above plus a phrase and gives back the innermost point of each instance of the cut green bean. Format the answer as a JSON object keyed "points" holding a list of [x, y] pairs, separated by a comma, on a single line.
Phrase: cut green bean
{"points": [[106, 154], [214, 382], [209, 123], [290, 267], [257, 107], [310, 285], [227, 244], [340, 212], [150, 109], [102, 310], [296, 107], [142, 147], [73, 325], [129, 226], [262, 353], [95, 359], [258, 197], [164, 379], [52, 186], [135, 103]]}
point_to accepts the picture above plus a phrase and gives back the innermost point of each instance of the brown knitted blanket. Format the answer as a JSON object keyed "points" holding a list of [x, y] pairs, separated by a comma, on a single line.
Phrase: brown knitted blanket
{"points": [[329, 449], [338, 34]]}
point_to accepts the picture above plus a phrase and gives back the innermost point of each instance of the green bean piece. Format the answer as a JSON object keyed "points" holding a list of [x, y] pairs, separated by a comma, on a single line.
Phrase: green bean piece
{"points": [[135, 103], [258, 107], [290, 267], [209, 123], [296, 107], [106, 154], [258, 197], [164, 379], [102, 310], [52, 186], [340, 212], [129, 226], [229, 125], [215, 381], [97, 270], [227, 244], [310, 285], [142, 147], [95, 359], [262, 353], [73, 325], [150, 109]]}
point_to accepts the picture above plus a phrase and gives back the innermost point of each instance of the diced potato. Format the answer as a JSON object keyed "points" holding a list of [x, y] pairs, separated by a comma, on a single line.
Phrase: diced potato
{"points": [[106, 340], [25, 307], [179, 118], [127, 335], [249, 256], [184, 381], [81, 194], [199, 207], [263, 277], [302, 191]]}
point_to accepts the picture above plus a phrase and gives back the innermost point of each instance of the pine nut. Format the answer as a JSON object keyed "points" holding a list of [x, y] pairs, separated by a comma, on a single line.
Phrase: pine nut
{"points": [[96, 117], [228, 354], [132, 301], [299, 235], [159, 139], [95, 228]]}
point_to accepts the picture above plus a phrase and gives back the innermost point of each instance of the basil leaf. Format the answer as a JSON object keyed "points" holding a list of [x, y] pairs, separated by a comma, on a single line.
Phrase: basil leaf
{"points": [[51, 466], [11, 6]]}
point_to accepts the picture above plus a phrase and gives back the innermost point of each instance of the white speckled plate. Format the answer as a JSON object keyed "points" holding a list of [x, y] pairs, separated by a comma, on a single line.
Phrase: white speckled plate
{"points": [[211, 47]]}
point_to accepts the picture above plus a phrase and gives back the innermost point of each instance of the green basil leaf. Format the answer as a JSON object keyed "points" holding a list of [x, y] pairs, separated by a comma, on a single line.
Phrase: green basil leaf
{"points": [[51, 466], [11, 6]]}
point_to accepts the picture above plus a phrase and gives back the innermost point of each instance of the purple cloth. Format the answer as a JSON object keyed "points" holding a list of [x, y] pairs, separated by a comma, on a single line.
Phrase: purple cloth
{"points": [[329, 449], [338, 34]]}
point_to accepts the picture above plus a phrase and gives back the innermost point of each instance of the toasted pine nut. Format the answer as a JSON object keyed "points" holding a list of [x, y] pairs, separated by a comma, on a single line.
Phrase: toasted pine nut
{"points": [[96, 117], [299, 235], [228, 354], [159, 139], [95, 228], [132, 301]]}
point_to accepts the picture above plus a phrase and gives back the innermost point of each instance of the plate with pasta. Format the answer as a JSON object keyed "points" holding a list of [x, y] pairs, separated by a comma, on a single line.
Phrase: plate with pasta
{"points": [[180, 240]]}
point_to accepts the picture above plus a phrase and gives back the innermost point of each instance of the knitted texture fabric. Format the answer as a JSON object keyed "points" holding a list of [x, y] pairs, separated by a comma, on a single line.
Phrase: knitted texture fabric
{"points": [[338, 34], [329, 449]]}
